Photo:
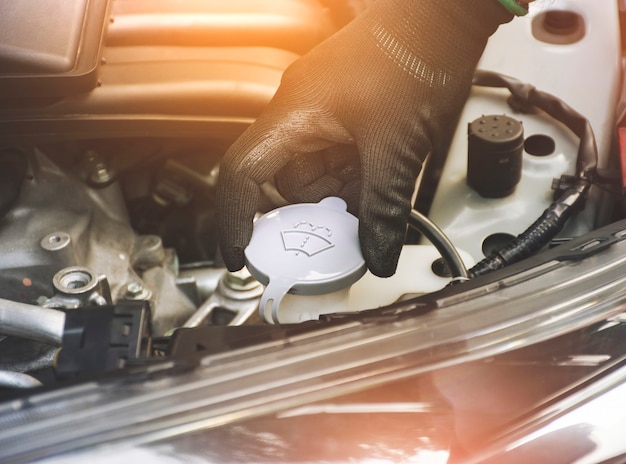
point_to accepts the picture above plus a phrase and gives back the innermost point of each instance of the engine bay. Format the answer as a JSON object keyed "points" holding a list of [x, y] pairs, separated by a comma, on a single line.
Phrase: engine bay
{"points": [[108, 231]]}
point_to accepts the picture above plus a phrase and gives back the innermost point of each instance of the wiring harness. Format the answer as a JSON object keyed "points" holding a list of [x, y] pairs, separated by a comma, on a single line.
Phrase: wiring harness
{"points": [[524, 97]]}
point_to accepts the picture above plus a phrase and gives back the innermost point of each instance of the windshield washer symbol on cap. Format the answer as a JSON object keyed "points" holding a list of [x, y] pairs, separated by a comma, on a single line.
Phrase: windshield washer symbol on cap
{"points": [[307, 238]]}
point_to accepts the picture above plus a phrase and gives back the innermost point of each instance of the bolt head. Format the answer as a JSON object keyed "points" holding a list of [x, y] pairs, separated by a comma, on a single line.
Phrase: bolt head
{"points": [[241, 280], [136, 291]]}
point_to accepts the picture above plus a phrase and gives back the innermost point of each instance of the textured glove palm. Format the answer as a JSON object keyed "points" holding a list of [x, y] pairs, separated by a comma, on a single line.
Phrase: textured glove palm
{"points": [[356, 117]]}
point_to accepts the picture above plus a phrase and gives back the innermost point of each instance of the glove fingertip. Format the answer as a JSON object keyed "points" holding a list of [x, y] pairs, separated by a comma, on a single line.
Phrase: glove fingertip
{"points": [[233, 257], [385, 268], [381, 256]]}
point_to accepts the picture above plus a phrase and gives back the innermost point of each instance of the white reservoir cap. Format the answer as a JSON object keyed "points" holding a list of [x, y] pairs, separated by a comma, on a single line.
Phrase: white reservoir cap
{"points": [[304, 249]]}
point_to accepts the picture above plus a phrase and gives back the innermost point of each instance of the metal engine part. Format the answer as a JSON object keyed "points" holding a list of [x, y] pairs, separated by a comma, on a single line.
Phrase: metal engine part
{"points": [[237, 293], [67, 244]]}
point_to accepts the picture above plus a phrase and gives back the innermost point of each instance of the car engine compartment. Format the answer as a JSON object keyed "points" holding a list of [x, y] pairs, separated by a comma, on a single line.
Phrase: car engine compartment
{"points": [[107, 228]]}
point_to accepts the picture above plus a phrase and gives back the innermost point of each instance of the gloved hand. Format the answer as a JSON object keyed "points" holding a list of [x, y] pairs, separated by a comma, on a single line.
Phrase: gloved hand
{"points": [[356, 116]]}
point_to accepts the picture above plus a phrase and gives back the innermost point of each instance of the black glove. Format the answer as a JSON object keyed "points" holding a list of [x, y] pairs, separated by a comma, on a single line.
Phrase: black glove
{"points": [[356, 116]]}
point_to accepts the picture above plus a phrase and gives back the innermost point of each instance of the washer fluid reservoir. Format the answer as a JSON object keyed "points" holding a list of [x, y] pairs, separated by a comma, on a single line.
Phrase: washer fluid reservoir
{"points": [[305, 249]]}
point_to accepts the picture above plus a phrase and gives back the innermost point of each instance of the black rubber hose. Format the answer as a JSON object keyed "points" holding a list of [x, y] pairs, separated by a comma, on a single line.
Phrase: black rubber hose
{"points": [[13, 165], [441, 242]]}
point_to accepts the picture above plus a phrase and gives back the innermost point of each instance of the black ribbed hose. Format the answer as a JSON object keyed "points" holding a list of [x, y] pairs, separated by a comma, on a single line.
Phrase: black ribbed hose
{"points": [[538, 234]]}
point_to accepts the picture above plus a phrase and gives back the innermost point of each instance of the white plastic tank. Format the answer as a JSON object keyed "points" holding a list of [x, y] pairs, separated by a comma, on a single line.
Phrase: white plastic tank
{"points": [[308, 257]]}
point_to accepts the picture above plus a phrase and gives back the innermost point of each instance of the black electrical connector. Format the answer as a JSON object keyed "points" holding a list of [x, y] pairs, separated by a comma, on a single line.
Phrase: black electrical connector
{"points": [[104, 338]]}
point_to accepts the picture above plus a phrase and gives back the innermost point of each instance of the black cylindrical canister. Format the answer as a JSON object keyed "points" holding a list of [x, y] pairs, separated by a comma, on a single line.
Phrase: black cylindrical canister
{"points": [[494, 155]]}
